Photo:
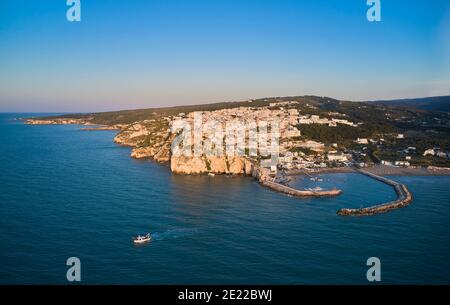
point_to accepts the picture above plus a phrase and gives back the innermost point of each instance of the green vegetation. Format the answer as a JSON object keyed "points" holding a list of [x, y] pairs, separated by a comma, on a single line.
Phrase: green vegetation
{"points": [[304, 150], [329, 135], [423, 129]]}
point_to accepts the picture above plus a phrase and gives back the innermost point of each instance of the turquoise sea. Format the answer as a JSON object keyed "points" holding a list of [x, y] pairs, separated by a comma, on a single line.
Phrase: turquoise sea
{"points": [[70, 193]]}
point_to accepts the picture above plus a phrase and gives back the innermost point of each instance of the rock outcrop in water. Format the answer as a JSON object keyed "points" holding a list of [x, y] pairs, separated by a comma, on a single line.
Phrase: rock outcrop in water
{"points": [[57, 121], [188, 165], [84, 122]]}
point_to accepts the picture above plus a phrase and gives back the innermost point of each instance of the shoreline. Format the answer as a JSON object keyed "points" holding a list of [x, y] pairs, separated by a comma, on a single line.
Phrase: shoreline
{"points": [[282, 183], [404, 198]]}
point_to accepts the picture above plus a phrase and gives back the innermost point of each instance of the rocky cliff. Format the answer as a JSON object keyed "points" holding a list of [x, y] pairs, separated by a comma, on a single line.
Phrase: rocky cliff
{"points": [[212, 164], [149, 139], [152, 139], [57, 121]]}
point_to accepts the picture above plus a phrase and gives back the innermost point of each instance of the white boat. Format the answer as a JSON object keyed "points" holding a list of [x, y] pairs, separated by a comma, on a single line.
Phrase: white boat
{"points": [[316, 189], [142, 239]]}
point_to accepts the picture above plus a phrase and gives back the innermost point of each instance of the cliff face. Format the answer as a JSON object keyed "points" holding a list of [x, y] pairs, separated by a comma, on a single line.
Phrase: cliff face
{"points": [[149, 139]]}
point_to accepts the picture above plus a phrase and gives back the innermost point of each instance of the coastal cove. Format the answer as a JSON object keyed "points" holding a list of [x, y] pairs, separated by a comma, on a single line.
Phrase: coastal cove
{"points": [[67, 192]]}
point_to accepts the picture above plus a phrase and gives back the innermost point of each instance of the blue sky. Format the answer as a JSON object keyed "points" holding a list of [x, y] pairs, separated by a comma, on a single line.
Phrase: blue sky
{"points": [[148, 53]]}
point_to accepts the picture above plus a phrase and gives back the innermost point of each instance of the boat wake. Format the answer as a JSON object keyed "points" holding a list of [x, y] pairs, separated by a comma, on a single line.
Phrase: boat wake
{"points": [[173, 234]]}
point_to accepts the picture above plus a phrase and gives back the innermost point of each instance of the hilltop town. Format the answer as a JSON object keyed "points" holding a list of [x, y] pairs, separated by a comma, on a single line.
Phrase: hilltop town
{"points": [[314, 133]]}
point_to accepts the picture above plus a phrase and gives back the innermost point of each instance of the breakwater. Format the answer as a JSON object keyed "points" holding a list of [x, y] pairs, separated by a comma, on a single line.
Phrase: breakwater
{"points": [[315, 171], [404, 198], [300, 193], [266, 178]]}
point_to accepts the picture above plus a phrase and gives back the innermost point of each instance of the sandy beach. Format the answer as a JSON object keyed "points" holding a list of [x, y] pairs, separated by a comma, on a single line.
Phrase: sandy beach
{"points": [[383, 170]]}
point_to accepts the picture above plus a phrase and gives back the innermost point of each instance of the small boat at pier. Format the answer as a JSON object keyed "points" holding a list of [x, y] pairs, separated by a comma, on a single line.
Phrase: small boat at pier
{"points": [[142, 239]]}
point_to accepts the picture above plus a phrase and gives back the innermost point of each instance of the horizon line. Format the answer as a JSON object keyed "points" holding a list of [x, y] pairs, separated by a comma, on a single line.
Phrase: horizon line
{"points": [[234, 101]]}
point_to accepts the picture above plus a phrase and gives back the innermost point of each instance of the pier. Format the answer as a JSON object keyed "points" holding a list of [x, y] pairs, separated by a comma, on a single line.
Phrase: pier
{"points": [[267, 179], [404, 198], [299, 193]]}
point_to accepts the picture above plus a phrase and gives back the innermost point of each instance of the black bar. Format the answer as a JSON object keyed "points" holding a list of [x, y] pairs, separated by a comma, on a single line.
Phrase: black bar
{"points": [[221, 294]]}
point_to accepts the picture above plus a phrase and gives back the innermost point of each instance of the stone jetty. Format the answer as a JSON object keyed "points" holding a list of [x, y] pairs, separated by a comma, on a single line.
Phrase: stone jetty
{"points": [[300, 193], [404, 198]]}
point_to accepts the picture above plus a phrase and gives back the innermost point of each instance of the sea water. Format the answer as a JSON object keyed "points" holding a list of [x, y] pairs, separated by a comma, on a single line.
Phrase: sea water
{"points": [[71, 193]]}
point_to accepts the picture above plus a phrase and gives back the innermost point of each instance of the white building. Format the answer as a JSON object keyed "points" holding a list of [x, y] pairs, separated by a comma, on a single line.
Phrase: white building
{"points": [[362, 141], [441, 154], [288, 103]]}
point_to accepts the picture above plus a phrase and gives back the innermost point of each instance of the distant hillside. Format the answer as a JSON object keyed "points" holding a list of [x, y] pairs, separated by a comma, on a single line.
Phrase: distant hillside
{"points": [[436, 103], [372, 111]]}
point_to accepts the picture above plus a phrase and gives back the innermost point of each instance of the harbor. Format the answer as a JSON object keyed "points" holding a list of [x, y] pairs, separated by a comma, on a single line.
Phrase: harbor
{"points": [[279, 183]]}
